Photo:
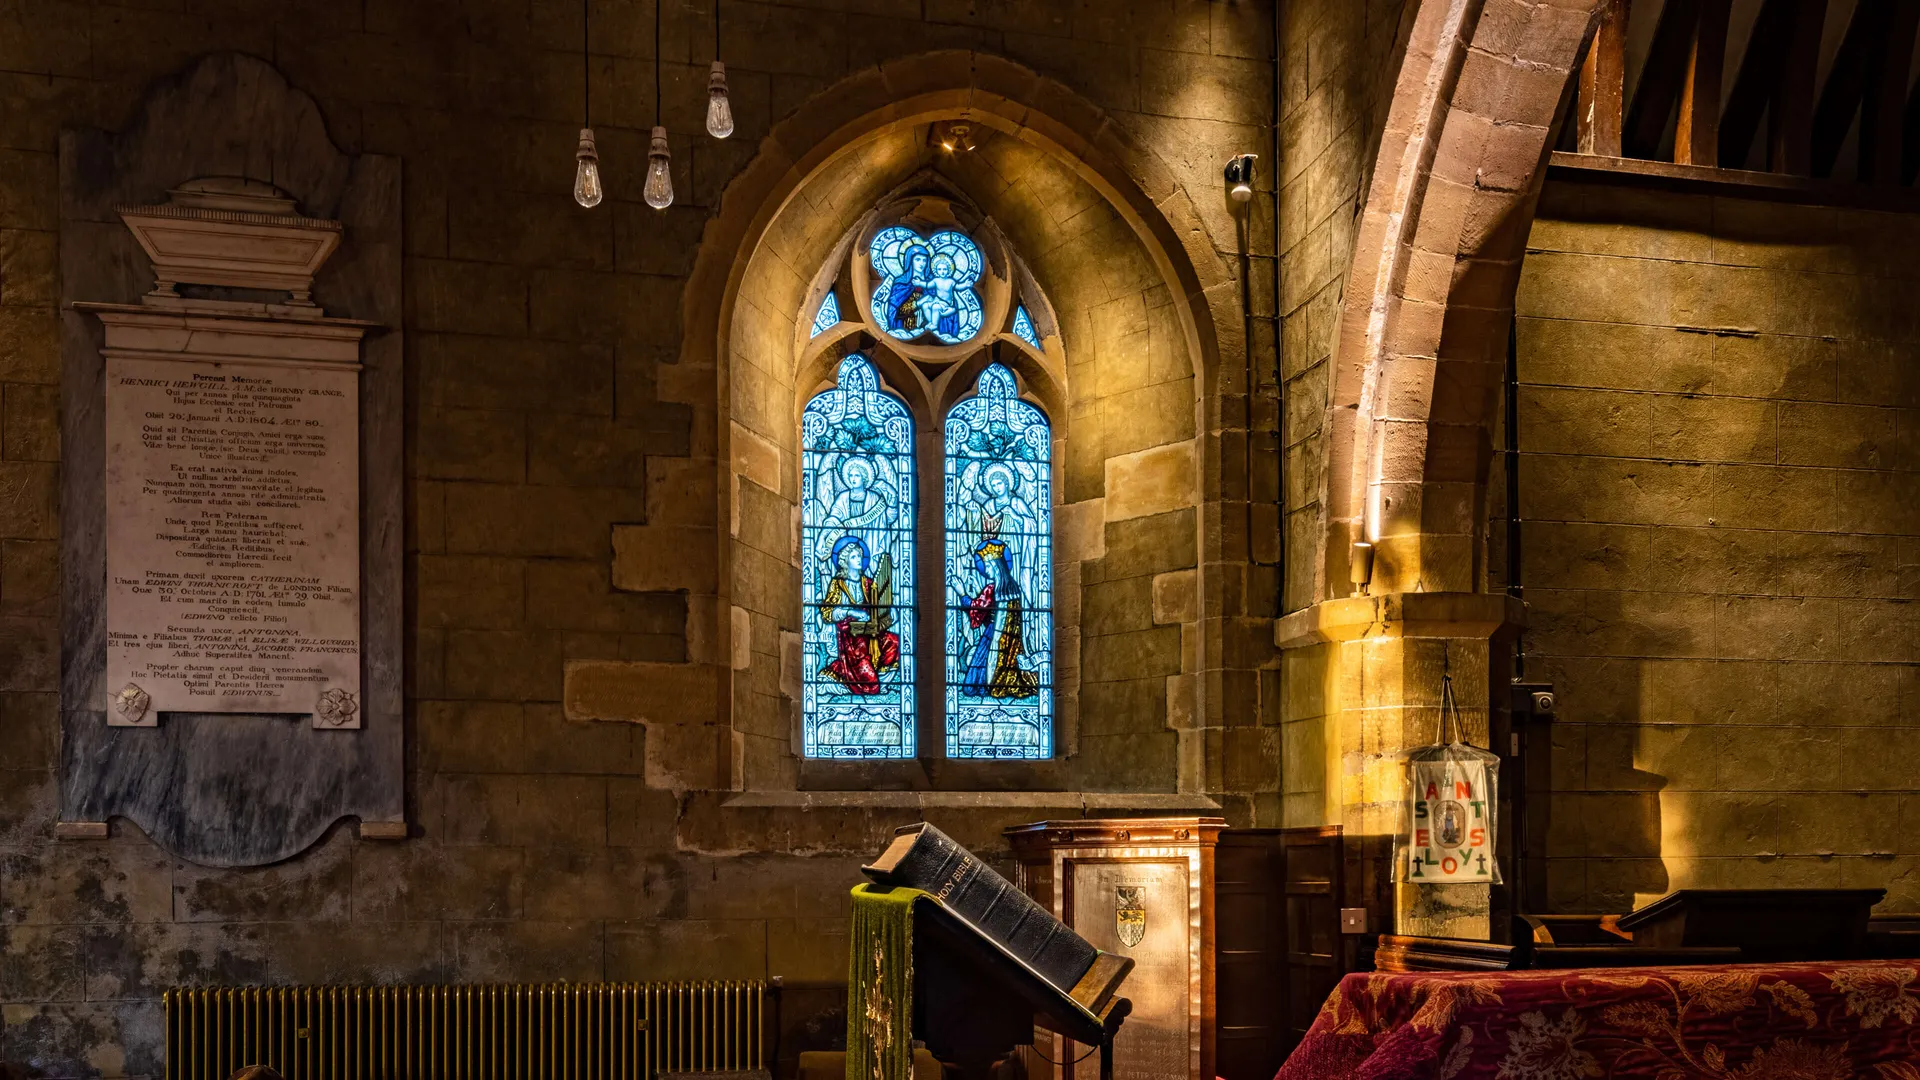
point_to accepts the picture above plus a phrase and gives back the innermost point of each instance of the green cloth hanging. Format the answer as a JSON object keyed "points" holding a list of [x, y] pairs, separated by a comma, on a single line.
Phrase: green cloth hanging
{"points": [[880, 984]]}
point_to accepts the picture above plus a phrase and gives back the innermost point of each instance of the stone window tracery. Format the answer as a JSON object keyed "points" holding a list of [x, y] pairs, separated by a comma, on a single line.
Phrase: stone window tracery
{"points": [[922, 293]]}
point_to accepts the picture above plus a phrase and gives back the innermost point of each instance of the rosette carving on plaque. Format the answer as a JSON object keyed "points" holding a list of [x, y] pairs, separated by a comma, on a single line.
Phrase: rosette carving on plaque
{"points": [[336, 708], [131, 703]]}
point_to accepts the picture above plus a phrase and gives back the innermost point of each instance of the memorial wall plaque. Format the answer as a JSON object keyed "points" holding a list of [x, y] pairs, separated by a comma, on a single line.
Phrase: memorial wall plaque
{"points": [[233, 545], [232, 655]]}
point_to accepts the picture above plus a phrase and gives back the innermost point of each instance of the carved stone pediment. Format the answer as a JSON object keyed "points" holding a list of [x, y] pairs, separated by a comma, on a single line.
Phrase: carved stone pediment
{"points": [[233, 232]]}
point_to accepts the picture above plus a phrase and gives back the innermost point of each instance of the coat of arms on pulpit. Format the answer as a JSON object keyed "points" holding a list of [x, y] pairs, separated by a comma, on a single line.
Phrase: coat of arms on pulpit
{"points": [[1130, 913]]}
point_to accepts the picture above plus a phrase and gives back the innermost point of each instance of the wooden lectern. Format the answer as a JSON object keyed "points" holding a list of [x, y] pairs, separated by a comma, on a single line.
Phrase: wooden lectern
{"points": [[1143, 888], [989, 964]]}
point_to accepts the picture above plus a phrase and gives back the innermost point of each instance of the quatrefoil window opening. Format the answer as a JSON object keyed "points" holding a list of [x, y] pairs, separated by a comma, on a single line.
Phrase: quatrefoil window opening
{"points": [[924, 285]]}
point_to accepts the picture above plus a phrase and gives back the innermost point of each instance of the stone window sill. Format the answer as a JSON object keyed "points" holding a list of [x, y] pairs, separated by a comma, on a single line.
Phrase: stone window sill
{"points": [[1088, 803]]}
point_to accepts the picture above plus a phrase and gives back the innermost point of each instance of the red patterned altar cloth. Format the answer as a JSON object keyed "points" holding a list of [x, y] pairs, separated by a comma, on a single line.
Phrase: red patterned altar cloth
{"points": [[1825, 1021]]}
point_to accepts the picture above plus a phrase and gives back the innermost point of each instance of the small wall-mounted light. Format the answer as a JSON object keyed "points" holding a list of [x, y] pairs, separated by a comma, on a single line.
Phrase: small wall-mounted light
{"points": [[1240, 177], [954, 136], [1360, 565]]}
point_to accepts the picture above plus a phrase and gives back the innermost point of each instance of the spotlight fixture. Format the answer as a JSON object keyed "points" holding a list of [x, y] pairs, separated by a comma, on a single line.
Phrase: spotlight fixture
{"points": [[954, 136], [586, 168], [1360, 565], [1239, 174]]}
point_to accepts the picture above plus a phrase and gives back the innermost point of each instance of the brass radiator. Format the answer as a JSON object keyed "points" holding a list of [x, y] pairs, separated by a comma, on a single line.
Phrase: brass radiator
{"points": [[563, 1031]]}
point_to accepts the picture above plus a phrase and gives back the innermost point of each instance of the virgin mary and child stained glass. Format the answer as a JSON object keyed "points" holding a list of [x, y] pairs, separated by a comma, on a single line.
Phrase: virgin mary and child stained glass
{"points": [[999, 575], [857, 569], [925, 284]]}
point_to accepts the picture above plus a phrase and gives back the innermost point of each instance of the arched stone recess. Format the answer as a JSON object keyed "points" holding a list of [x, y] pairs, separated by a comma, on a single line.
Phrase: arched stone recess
{"points": [[1134, 308], [1416, 384]]}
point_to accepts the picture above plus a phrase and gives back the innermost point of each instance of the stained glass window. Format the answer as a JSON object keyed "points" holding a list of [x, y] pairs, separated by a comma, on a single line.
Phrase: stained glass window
{"points": [[925, 284], [827, 316], [1022, 328], [856, 534], [999, 526]]}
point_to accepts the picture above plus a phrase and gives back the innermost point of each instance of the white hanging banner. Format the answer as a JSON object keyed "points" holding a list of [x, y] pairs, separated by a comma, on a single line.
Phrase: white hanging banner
{"points": [[1451, 827]]}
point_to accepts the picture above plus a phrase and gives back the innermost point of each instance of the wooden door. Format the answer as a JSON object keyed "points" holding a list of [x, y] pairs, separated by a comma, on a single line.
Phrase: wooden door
{"points": [[1278, 947]]}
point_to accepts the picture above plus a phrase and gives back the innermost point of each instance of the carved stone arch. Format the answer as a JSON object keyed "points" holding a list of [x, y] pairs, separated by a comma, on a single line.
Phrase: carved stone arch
{"points": [[758, 269], [1425, 316]]}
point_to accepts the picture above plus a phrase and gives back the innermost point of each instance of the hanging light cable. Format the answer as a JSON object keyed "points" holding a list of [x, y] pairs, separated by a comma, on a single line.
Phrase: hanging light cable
{"points": [[719, 109], [586, 170], [659, 189]]}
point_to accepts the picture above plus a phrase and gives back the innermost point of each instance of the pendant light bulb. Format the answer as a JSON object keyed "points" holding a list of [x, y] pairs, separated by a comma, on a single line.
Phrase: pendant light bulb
{"points": [[586, 173], [659, 190], [719, 109]]}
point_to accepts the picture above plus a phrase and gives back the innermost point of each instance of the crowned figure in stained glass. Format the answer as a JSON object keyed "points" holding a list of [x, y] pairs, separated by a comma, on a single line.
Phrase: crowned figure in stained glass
{"points": [[926, 284], [857, 575], [1000, 574]]}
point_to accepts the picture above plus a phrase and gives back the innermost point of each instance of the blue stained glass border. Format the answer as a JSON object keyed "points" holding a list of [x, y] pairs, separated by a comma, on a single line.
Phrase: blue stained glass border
{"points": [[857, 578], [998, 508], [1022, 328], [827, 317]]}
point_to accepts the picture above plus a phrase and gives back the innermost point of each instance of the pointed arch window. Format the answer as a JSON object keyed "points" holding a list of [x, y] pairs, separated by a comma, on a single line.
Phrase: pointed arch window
{"points": [[979, 599], [857, 569], [999, 546]]}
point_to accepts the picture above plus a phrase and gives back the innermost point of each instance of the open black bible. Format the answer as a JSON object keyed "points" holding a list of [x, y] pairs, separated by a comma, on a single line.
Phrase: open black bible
{"points": [[990, 964]]}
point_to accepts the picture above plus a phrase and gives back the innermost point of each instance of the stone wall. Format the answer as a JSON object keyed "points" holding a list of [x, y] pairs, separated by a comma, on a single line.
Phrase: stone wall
{"points": [[1338, 64], [547, 418], [1717, 423]]}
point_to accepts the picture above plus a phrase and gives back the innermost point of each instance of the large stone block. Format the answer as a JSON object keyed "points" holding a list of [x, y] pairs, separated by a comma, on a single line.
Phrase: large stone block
{"points": [[567, 595], [30, 423], [1760, 497], [503, 665], [29, 577], [466, 371], [1148, 545], [29, 345], [318, 885], [653, 694], [471, 592], [665, 558], [1149, 482], [1569, 488], [687, 949], [550, 522], [1714, 429], [525, 951], [515, 811], [1838, 436], [467, 297], [1577, 555], [423, 882], [1131, 655], [29, 501]]}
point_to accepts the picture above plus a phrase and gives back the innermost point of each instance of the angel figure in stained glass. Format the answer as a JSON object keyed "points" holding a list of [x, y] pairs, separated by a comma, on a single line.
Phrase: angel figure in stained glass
{"points": [[856, 518], [926, 284], [996, 615], [859, 606]]}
